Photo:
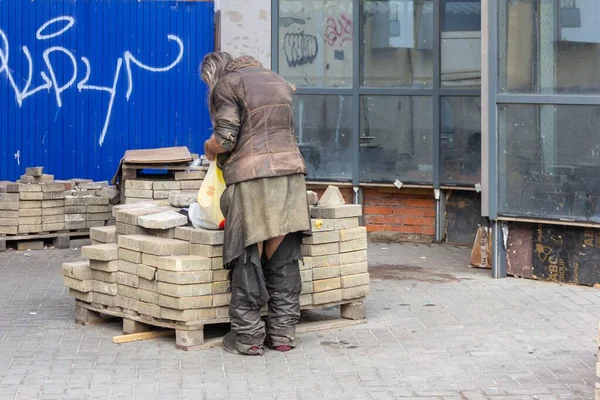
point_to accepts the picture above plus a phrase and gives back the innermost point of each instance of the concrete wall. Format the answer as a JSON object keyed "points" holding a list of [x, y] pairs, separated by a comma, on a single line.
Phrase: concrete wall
{"points": [[246, 28]]}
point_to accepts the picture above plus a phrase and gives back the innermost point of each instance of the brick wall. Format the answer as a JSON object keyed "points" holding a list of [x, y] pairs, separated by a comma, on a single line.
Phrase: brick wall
{"points": [[409, 212]]}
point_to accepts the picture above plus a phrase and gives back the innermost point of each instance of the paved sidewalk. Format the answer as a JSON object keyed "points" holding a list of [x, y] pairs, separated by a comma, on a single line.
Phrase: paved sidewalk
{"points": [[436, 330]]}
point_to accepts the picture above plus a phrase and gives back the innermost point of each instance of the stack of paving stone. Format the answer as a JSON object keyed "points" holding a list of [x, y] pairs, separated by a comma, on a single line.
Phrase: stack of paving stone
{"points": [[143, 190], [164, 272], [42, 203], [335, 265], [9, 208], [86, 206]]}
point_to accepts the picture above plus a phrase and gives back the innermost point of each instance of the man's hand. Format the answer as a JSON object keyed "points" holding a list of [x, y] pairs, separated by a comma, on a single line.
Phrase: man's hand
{"points": [[207, 153]]}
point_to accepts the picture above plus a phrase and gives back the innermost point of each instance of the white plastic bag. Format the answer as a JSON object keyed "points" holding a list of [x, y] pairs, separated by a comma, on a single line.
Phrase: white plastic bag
{"points": [[207, 212]]}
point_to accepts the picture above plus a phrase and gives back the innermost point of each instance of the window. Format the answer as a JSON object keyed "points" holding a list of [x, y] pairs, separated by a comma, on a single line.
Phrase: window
{"points": [[397, 43], [549, 158], [324, 132], [549, 46], [396, 139], [315, 42]]}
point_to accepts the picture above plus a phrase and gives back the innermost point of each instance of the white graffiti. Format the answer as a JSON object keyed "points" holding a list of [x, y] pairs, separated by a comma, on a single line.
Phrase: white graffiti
{"points": [[51, 83]]}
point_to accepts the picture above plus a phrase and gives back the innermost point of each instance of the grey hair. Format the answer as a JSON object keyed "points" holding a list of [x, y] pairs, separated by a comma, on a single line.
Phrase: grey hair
{"points": [[211, 70]]}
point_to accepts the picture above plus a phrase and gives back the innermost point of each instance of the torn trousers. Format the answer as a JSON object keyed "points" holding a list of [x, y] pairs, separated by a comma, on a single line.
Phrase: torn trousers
{"points": [[257, 282]]}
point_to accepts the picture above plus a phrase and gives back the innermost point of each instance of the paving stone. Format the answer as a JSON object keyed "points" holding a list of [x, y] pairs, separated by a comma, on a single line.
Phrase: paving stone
{"points": [[88, 297], [11, 206], [306, 275], [353, 245], [178, 263], [307, 287], [166, 185], [148, 296], [327, 284], [34, 171], [322, 261], [331, 296], [75, 218], [130, 255], [163, 233], [105, 234], [126, 229], [17, 221], [52, 219], [105, 266], [30, 187], [220, 275], [126, 279], [105, 299], [222, 312], [353, 233], [322, 238], [79, 285], [164, 220], [53, 196], [164, 247], [184, 303], [128, 267], [320, 249], [53, 211], [93, 185], [111, 193], [75, 244], [108, 277], [130, 216], [306, 300], [138, 184], [9, 230], [139, 193], [162, 194], [190, 175], [202, 314], [53, 187], [355, 292], [53, 203], [101, 252], [31, 245], [331, 197], [25, 204], [220, 287], [9, 214], [354, 268], [312, 198], [98, 216], [127, 303], [208, 251], [183, 199], [28, 196], [102, 209], [97, 201], [30, 212], [131, 242], [52, 227], [221, 299], [30, 228], [146, 271], [353, 257], [79, 270], [337, 212], [184, 277], [151, 285], [104, 287], [191, 185], [199, 236], [127, 291], [216, 263], [325, 272], [75, 225], [76, 210], [9, 197], [355, 280], [175, 290], [152, 310]]}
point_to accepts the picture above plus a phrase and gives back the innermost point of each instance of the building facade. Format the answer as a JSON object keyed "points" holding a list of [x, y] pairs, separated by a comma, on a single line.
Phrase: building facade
{"points": [[441, 115]]}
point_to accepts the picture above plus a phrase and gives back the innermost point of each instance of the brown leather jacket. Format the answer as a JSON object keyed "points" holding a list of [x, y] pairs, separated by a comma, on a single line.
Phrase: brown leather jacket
{"points": [[253, 120]]}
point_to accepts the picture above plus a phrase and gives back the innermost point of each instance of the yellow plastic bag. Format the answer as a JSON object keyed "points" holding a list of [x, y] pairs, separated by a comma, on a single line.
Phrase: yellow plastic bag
{"points": [[208, 214]]}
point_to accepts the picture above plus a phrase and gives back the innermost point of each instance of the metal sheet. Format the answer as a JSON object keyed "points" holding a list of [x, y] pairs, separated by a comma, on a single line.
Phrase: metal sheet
{"points": [[103, 77]]}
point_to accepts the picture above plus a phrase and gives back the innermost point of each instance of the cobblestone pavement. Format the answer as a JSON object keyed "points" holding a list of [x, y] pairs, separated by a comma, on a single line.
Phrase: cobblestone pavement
{"points": [[436, 330]]}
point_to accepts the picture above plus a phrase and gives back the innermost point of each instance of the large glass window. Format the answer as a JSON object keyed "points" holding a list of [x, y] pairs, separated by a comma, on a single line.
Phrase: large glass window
{"points": [[549, 161], [315, 42], [324, 132], [461, 140], [549, 46], [461, 43], [396, 139], [397, 43]]}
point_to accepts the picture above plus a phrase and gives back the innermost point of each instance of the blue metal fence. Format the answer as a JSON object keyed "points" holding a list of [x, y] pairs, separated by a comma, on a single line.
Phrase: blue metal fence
{"points": [[83, 81]]}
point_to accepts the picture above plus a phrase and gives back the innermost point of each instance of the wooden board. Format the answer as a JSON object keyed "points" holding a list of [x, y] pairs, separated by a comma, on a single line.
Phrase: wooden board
{"points": [[519, 260], [463, 215]]}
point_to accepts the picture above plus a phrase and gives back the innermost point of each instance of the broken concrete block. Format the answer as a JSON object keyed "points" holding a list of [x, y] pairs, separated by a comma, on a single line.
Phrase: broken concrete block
{"points": [[175, 290], [353, 257], [353, 245], [355, 280], [138, 193], [123, 278], [128, 267], [182, 263], [208, 251], [164, 247], [354, 268], [199, 236], [138, 184], [111, 193], [105, 234], [80, 286], [30, 187], [130, 255], [53, 187], [183, 199], [332, 296], [185, 278], [337, 212], [86, 297], [325, 273], [324, 285], [185, 303], [320, 249], [166, 185], [322, 238], [201, 314], [190, 175], [164, 220], [101, 252], [27, 196], [34, 171], [322, 261], [108, 277], [191, 185], [146, 272], [331, 197], [79, 270], [355, 292], [105, 266], [312, 198], [106, 288]]}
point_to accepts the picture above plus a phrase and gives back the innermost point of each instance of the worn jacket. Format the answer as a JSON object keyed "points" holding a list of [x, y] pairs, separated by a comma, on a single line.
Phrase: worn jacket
{"points": [[253, 120]]}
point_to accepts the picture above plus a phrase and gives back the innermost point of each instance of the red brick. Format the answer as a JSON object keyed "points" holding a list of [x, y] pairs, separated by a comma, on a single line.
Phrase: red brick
{"points": [[417, 212], [406, 229], [416, 202], [428, 230], [428, 212], [376, 228], [418, 221], [378, 210]]}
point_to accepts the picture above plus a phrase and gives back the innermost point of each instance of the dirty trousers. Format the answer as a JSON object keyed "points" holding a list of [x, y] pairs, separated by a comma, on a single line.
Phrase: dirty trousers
{"points": [[276, 283]]}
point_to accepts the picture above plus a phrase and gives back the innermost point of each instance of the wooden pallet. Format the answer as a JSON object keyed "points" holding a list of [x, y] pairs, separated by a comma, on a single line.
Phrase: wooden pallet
{"points": [[60, 239], [201, 335]]}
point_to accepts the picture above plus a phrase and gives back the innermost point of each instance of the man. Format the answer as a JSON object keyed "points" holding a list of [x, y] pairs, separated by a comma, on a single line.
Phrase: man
{"points": [[264, 205]]}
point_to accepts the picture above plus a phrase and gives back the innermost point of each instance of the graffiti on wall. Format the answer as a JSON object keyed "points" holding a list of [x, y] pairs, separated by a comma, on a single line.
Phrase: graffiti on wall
{"points": [[300, 48], [338, 31], [53, 29]]}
